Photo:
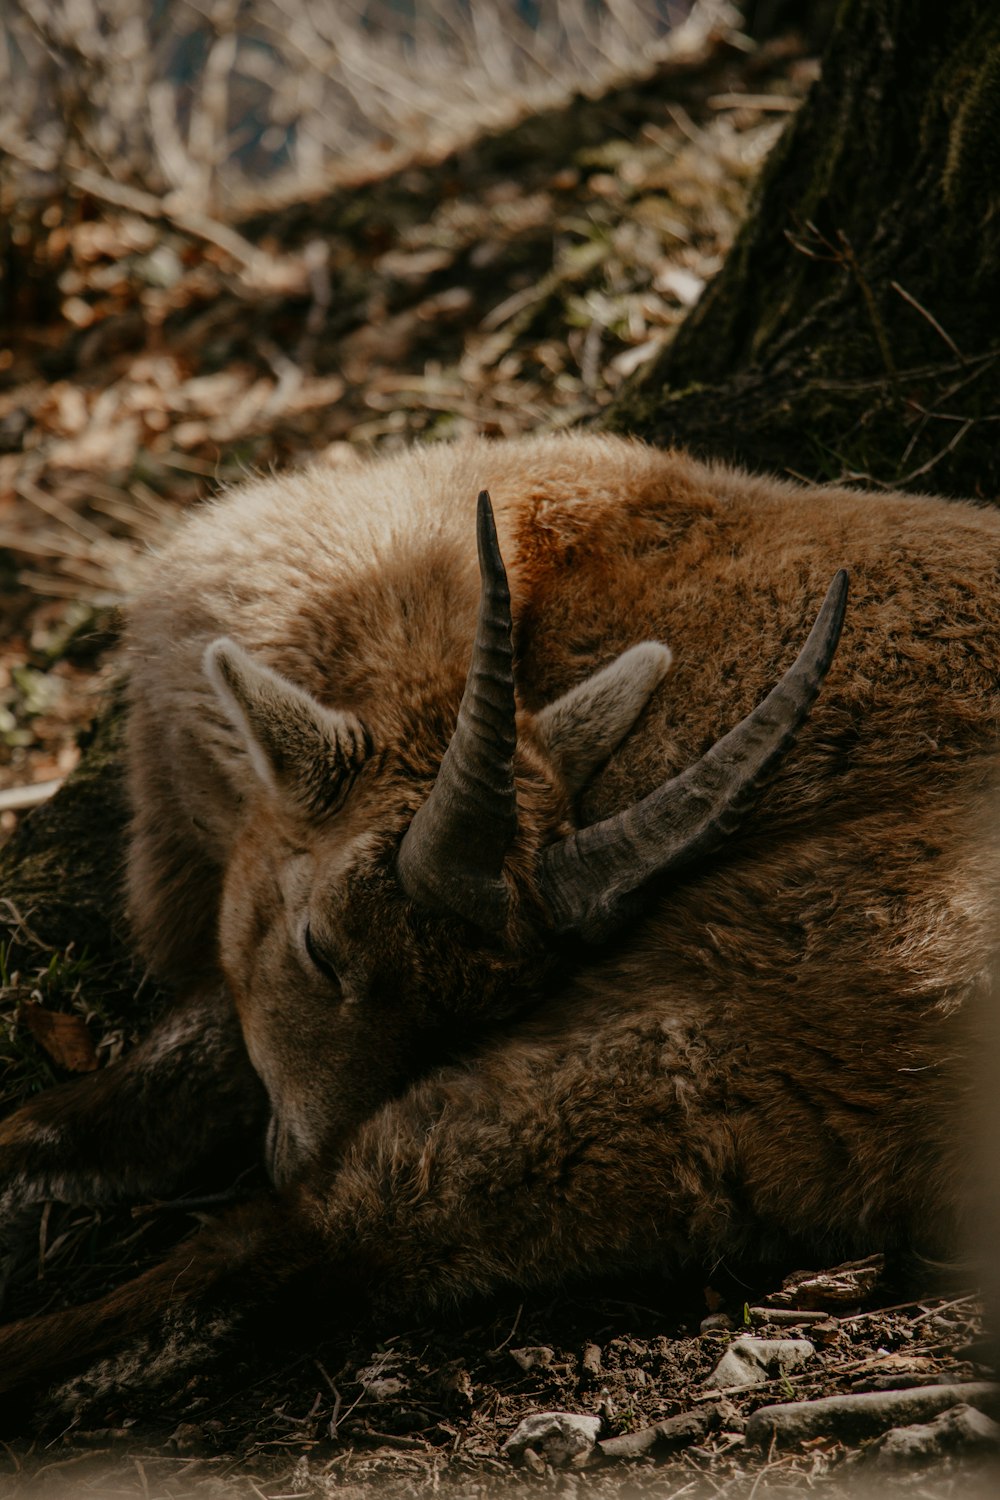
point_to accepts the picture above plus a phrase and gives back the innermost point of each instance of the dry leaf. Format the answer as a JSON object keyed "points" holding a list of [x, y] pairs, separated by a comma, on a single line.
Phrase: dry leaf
{"points": [[63, 1036]]}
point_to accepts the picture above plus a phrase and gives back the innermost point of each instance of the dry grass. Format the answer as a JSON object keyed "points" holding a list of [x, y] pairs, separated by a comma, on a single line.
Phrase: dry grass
{"points": [[161, 350], [209, 102]]}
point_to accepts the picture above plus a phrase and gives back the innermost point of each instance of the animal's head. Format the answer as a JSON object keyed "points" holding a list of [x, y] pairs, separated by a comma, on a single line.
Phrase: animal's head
{"points": [[372, 917]]}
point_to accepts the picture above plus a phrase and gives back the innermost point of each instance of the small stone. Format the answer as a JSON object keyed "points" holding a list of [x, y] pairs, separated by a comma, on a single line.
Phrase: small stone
{"points": [[559, 1437], [456, 1386], [532, 1461], [534, 1357], [730, 1417], [825, 1332], [717, 1322], [590, 1364], [750, 1361], [959, 1429], [189, 1437], [381, 1387]]}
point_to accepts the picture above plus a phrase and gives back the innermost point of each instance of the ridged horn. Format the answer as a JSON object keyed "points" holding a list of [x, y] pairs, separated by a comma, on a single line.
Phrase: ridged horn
{"points": [[587, 878], [453, 852]]}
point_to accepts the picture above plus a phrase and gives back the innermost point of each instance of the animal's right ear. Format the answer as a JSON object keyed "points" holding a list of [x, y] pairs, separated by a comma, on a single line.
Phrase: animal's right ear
{"points": [[582, 728], [299, 749]]}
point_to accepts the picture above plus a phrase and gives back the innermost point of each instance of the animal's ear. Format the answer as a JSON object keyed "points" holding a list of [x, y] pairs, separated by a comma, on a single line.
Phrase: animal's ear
{"points": [[580, 729], [299, 749]]}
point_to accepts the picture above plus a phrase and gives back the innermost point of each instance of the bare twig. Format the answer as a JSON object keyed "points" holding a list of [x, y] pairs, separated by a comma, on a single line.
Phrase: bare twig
{"points": [[936, 459], [335, 1414], [513, 1330], [148, 205], [909, 297]]}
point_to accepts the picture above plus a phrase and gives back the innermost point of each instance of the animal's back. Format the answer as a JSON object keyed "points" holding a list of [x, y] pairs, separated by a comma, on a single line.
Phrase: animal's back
{"points": [[360, 584]]}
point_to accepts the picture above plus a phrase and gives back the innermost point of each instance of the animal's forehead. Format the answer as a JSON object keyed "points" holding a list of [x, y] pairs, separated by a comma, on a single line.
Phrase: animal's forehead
{"points": [[317, 871]]}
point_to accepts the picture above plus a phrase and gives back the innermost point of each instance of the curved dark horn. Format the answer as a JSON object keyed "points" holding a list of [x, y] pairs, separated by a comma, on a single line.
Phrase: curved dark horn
{"points": [[586, 879], [452, 855]]}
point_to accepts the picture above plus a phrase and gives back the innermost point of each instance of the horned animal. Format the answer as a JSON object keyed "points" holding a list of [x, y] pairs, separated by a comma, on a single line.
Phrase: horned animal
{"points": [[597, 951]]}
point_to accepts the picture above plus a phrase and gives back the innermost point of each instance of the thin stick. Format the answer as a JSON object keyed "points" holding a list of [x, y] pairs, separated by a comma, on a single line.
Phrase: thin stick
{"points": [[909, 297], [513, 1330], [933, 462], [335, 1414]]}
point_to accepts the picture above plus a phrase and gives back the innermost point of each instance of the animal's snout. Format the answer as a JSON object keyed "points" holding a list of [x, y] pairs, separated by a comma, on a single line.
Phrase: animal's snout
{"points": [[286, 1154]]}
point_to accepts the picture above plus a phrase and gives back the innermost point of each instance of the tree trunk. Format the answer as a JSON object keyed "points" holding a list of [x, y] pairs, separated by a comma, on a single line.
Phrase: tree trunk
{"points": [[61, 872], [854, 331], [62, 910]]}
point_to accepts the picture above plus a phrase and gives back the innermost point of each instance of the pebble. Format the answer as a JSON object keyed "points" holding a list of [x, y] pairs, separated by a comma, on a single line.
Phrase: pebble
{"points": [[717, 1322], [378, 1385], [864, 1415], [534, 1357], [750, 1361], [559, 1438]]}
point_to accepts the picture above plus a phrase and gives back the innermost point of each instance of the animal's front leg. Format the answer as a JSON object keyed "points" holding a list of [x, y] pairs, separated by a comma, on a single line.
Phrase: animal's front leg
{"points": [[580, 1146], [547, 1157], [183, 1096]]}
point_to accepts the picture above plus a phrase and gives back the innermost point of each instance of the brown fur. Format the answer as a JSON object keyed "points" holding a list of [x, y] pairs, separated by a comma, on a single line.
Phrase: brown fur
{"points": [[776, 1055]]}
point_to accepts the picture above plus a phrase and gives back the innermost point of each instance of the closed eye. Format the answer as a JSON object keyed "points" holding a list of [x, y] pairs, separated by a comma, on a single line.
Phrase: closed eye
{"points": [[319, 958]]}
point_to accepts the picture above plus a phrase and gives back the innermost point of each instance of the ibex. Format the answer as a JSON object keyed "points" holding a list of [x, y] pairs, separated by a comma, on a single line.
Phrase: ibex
{"points": [[555, 962]]}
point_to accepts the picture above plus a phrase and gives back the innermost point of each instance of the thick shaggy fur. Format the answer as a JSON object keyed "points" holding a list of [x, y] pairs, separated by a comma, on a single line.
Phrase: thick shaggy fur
{"points": [[775, 1055]]}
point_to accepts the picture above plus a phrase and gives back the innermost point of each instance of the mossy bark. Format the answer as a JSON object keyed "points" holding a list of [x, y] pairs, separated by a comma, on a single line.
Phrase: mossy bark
{"points": [[855, 328], [61, 883]]}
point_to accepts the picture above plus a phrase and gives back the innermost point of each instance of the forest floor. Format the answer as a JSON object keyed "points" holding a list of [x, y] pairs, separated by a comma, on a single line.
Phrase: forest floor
{"points": [[510, 287]]}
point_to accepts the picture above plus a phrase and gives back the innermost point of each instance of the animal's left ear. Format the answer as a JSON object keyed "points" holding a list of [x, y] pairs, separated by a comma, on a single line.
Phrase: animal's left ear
{"points": [[299, 749], [580, 729]]}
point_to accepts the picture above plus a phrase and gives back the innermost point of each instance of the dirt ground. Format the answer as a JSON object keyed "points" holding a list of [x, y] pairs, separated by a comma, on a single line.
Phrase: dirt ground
{"points": [[429, 1408], [513, 285]]}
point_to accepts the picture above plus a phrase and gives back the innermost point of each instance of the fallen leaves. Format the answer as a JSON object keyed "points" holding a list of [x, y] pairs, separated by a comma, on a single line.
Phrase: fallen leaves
{"points": [[62, 1035]]}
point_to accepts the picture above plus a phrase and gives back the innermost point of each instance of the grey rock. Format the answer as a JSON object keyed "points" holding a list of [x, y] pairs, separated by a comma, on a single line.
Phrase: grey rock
{"points": [[959, 1429], [534, 1357], [558, 1437], [380, 1384], [866, 1414], [750, 1361]]}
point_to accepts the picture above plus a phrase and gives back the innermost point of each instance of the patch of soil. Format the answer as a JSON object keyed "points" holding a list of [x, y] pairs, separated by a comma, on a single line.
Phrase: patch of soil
{"points": [[430, 1408]]}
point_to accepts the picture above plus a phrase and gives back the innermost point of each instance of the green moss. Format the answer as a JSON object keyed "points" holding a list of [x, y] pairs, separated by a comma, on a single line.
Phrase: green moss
{"points": [[971, 180], [863, 293]]}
